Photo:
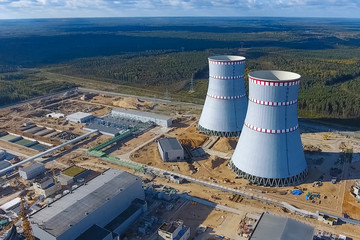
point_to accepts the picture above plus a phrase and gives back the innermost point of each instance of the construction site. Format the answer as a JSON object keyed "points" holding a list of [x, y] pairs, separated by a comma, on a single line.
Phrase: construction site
{"points": [[75, 136]]}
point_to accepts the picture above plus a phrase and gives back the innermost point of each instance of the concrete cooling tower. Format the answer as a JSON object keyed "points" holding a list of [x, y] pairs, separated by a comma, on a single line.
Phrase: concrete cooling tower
{"points": [[269, 151], [225, 105]]}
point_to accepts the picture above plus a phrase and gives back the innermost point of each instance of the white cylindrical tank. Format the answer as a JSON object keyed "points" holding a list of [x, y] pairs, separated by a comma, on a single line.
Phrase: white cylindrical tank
{"points": [[225, 104], [269, 151]]}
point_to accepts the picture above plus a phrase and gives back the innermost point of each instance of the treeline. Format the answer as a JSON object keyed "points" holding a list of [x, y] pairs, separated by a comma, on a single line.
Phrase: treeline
{"points": [[19, 90], [330, 83], [159, 70]]}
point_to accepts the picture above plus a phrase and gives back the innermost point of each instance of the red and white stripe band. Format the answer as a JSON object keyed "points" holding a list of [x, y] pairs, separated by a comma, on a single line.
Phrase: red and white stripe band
{"points": [[227, 62], [264, 130], [274, 83], [273, 103], [224, 77], [226, 97]]}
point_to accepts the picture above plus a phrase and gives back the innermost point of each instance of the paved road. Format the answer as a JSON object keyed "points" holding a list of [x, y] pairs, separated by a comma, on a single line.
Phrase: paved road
{"points": [[210, 204], [137, 96]]}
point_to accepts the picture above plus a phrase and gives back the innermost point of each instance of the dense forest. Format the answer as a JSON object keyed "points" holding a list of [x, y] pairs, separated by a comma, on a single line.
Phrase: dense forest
{"points": [[169, 55]]}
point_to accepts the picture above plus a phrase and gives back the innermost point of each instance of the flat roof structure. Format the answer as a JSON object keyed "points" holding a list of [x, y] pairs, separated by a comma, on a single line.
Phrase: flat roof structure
{"points": [[141, 113], [10, 204], [4, 164], [281, 228], [32, 167], [94, 233], [73, 171], [72, 208], [159, 119], [168, 144], [79, 115]]}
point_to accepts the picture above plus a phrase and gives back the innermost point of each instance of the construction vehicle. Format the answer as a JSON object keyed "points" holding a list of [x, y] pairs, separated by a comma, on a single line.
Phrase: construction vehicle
{"points": [[215, 197], [317, 184], [334, 180], [311, 196], [327, 136]]}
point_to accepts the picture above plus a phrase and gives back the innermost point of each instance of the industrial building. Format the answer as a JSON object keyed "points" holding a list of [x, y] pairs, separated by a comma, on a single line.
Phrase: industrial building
{"points": [[281, 228], [355, 190], [32, 170], [11, 205], [170, 149], [269, 151], [328, 219], [112, 125], [79, 117], [107, 202], [4, 164], [174, 230], [158, 119], [225, 105], [72, 174], [46, 186]]}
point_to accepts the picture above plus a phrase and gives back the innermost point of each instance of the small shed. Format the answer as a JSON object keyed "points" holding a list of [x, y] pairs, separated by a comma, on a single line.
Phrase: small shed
{"points": [[170, 149], [32, 170], [79, 117]]}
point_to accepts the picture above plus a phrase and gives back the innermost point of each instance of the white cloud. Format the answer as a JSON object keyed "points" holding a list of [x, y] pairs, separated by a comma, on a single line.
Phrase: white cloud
{"points": [[83, 8]]}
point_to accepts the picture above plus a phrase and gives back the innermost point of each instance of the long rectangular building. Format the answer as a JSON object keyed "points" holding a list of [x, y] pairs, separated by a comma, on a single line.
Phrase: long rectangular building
{"points": [[159, 119], [93, 205]]}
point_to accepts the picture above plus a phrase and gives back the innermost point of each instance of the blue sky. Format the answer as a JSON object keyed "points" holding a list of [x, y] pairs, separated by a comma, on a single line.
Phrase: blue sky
{"points": [[127, 8]]}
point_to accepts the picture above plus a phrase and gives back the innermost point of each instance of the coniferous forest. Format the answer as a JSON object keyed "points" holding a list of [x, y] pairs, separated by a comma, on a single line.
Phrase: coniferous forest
{"points": [[156, 55]]}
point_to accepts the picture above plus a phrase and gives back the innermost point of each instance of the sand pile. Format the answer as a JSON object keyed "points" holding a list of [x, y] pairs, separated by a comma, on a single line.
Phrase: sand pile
{"points": [[102, 99], [133, 103], [192, 137], [225, 144]]}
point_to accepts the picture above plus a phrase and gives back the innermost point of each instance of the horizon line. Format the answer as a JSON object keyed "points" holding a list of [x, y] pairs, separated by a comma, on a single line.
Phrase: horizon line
{"points": [[95, 17]]}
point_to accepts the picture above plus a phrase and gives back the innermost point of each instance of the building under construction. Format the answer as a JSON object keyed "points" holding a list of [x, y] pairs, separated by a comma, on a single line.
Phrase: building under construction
{"points": [[106, 205]]}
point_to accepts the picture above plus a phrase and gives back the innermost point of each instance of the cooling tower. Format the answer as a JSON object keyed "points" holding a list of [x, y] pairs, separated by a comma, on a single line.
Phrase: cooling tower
{"points": [[269, 151], [225, 104]]}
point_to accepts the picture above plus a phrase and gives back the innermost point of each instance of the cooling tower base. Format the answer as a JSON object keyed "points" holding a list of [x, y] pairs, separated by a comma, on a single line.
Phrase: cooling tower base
{"points": [[271, 182], [217, 133]]}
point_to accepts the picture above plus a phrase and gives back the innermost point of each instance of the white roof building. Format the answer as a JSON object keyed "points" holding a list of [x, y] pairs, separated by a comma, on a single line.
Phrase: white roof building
{"points": [[99, 202], [79, 117], [159, 119]]}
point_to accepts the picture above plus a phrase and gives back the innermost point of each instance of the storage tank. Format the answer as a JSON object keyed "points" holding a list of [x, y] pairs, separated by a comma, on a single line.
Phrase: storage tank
{"points": [[225, 104], [269, 151]]}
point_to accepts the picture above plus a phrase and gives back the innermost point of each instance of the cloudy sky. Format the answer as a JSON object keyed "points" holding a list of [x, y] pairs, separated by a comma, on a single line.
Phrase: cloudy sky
{"points": [[125, 8]]}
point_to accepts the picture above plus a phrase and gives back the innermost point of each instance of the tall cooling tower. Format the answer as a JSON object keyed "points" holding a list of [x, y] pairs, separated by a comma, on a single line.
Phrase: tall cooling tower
{"points": [[269, 151], [225, 105]]}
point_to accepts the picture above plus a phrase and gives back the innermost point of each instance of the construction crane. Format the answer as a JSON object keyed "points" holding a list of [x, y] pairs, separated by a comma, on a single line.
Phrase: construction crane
{"points": [[53, 173], [26, 223]]}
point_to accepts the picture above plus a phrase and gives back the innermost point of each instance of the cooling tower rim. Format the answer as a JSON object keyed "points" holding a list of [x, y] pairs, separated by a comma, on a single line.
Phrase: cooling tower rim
{"points": [[274, 76], [227, 58]]}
